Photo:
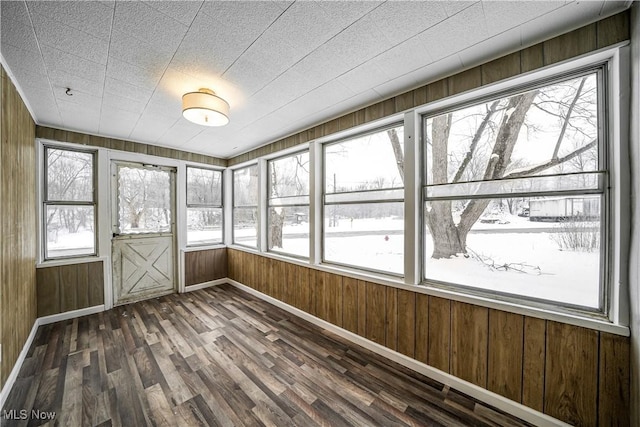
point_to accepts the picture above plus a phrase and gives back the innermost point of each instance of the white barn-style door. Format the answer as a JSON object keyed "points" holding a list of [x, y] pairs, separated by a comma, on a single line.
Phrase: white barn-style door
{"points": [[143, 231]]}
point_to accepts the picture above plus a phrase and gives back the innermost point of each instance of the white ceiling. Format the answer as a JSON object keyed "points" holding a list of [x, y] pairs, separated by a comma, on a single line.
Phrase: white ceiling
{"points": [[282, 66]]}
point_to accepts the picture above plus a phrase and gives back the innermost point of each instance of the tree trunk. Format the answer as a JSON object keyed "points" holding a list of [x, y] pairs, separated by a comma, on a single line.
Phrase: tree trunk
{"points": [[275, 227], [450, 239]]}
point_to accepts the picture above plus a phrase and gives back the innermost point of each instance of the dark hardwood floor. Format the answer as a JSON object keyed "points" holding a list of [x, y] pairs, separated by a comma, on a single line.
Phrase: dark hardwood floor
{"points": [[220, 356]]}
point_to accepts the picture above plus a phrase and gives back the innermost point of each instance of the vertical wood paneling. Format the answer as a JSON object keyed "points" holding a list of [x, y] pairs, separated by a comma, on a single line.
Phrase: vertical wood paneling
{"points": [[48, 291], [469, 342], [69, 287], [391, 319], [531, 58], [96, 283], [406, 322], [571, 374], [439, 344], [533, 363], [362, 308], [17, 224], [422, 328], [465, 80], [333, 298], [350, 304], [501, 68], [205, 266], [506, 334], [614, 29], [376, 308], [613, 393]]}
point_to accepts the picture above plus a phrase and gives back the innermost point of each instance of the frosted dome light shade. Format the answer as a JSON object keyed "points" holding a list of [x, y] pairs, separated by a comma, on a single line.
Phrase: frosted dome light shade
{"points": [[205, 108]]}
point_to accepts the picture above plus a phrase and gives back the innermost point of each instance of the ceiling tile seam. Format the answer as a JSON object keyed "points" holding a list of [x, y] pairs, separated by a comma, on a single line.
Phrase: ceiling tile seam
{"points": [[35, 35], [256, 39], [463, 9], [310, 53], [67, 25], [150, 4], [163, 74], [106, 66]]}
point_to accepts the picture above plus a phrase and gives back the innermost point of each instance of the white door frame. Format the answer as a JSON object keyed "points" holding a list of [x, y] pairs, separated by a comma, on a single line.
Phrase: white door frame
{"points": [[106, 201]]}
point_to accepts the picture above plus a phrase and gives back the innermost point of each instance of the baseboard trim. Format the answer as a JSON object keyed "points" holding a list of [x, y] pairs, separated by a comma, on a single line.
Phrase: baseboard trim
{"points": [[204, 285], [71, 314], [486, 396], [11, 379]]}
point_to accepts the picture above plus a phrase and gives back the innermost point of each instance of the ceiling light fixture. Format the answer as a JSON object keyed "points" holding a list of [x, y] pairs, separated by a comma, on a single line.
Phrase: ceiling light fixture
{"points": [[205, 108]]}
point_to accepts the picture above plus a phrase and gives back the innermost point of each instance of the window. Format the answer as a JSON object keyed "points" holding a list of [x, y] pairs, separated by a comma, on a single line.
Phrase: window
{"points": [[245, 206], [515, 194], [69, 204], [204, 206], [288, 212], [363, 201]]}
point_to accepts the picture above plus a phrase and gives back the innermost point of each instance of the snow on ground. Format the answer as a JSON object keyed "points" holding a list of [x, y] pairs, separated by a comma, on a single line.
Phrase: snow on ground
{"points": [[378, 244]]}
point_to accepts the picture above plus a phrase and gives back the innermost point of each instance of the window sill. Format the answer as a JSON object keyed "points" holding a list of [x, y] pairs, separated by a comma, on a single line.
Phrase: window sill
{"points": [[204, 247], [70, 261]]}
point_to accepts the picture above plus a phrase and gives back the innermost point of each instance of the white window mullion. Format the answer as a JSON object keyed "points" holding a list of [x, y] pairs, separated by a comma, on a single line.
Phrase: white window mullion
{"points": [[315, 203], [263, 195], [412, 199], [227, 206]]}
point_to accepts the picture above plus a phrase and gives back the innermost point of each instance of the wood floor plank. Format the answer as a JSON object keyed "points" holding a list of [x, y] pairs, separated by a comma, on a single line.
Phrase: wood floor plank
{"points": [[222, 357]]}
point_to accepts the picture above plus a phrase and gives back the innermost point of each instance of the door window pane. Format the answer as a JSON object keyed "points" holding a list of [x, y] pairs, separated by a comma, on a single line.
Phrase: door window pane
{"points": [[144, 200]]}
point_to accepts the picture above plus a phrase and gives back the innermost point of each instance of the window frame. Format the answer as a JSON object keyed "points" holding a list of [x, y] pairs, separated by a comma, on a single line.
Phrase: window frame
{"points": [[256, 206], [45, 202], [606, 141], [357, 197], [205, 205], [268, 205]]}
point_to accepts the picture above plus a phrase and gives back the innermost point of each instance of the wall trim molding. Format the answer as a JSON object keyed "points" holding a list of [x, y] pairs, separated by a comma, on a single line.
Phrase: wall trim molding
{"points": [[486, 396], [204, 285], [70, 314], [11, 379]]}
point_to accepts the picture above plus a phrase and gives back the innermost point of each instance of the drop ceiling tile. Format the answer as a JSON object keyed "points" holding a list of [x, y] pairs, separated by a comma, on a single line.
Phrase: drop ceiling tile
{"points": [[110, 100], [403, 58], [75, 83], [23, 61], [496, 46], [501, 15], [126, 90], [145, 23], [14, 33], [79, 116], [182, 11], [454, 7], [151, 127], [80, 99], [363, 77], [15, 11], [138, 53], [90, 17], [68, 39], [305, 26], [74, 65], [164, 103], [133, 75], [118, 123], [401, 20], [248, 17], [180, 133], [438, 70], [345, 13], [446, 38]]}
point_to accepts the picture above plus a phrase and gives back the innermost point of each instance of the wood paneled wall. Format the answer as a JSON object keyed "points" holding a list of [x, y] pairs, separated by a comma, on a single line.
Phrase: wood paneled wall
{"points": [[205, 266], [69, 287], [122, 145], [578, 375], [17, 224], [583, 40]]}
